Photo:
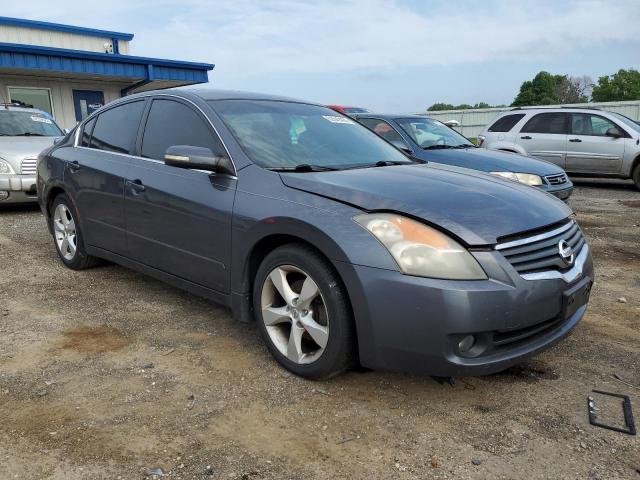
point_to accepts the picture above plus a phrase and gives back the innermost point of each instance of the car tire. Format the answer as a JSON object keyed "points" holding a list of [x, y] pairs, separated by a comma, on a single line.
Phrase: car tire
{"points": [[636, 176], [303, 312], [67, 236]]}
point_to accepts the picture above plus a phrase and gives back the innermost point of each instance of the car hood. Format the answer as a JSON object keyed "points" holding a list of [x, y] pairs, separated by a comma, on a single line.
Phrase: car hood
{"points": [[475, 207], [14, 149], [491, 161]]}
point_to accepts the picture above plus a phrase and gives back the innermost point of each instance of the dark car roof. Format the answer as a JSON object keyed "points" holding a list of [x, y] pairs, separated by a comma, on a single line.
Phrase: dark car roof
{"points": [[388, 116], [214, 94]]}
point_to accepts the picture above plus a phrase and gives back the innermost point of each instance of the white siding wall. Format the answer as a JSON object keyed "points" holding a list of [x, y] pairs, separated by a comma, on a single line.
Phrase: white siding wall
{"points": [[473, 121], [61, 93], [49, 38]]}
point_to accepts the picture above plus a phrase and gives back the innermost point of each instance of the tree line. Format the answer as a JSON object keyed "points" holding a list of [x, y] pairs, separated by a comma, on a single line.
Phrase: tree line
{"points": [[549, 89]]}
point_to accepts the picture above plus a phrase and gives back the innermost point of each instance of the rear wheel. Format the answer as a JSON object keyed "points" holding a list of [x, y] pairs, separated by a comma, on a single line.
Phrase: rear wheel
{"points": [[636, 176], [303, 312], [67, 235]]}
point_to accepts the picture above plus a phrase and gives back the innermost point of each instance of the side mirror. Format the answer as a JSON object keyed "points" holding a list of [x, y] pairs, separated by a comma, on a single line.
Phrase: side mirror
{"points": [[66, 131], [614, 132], [199, 158], [401, 145]]}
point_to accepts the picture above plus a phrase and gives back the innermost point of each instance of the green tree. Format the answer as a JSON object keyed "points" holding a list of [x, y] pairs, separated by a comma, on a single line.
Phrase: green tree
{"points": [[542, 90], [623, 85], [463, 106], [440, 106]]}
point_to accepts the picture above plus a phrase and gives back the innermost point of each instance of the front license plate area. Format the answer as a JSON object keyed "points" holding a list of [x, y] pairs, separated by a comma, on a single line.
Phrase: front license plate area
{"points": [[576, 297]]}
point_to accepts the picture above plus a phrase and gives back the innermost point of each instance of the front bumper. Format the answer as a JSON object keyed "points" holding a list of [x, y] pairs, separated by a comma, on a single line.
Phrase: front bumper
{"points": [[414, 324], [562, 192], [20, 188]]}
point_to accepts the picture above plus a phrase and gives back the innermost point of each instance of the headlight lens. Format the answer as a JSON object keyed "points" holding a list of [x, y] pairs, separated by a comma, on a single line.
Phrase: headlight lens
{"points": [[5, 167], [526, 178], [421, 250]]}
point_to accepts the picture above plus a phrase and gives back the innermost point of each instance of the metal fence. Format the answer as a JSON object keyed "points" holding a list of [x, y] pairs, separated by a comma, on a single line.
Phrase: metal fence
{"points": [[472, 121]]}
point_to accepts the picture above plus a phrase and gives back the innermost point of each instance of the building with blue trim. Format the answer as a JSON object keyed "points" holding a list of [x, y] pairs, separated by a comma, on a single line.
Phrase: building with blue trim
{"points": [[71, 71]]}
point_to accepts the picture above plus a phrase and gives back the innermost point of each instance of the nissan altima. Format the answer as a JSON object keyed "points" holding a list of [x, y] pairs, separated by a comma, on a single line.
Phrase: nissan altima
{"points": [[340, 246]]}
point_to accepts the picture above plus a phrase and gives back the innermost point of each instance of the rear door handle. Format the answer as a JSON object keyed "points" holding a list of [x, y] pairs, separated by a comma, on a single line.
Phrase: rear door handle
{"points": [[526, 137], [74, 166], [575, 140], [136, 186]]}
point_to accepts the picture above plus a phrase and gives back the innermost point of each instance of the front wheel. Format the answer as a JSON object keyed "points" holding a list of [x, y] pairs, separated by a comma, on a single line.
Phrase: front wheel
{"points": [[67, 235], [303, 312]]}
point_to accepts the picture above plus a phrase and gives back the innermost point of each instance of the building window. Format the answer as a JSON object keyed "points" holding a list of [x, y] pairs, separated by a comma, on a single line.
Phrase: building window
{"points": [[39, 98]]}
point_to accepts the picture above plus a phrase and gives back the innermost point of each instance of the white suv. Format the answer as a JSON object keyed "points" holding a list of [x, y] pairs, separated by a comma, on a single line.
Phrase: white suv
{"points": [[583, 141]]}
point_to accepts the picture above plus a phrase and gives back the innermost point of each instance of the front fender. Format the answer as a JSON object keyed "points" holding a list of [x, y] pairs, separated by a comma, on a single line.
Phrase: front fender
{"points": [[508, 147]]}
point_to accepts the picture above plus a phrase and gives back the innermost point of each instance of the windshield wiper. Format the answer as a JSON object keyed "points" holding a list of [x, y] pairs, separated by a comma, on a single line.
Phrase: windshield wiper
{"points": [[304, 167], [465, 145], [437, 147], [28, 134]]}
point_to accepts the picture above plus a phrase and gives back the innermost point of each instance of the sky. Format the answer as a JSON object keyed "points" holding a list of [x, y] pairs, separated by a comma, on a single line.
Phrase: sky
{"points": [[387, 55]]}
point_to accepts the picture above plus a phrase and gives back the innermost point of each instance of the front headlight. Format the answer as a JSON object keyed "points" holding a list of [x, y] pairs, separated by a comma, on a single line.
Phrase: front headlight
{"points": [[5, 167], [421, 250], [526, 178]]}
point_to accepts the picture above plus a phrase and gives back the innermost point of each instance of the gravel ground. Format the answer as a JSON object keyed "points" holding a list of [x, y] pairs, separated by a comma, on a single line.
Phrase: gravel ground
{"points": [[109, 374]]}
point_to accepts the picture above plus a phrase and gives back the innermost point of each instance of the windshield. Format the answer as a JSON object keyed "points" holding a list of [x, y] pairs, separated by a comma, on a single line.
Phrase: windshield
{"points": [[280, 135], [16, 123], [627, 121], [429, 133]]}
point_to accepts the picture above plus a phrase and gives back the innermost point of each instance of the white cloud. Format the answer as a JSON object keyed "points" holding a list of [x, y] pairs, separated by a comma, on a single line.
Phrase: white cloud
{"points": [[254, 38]]}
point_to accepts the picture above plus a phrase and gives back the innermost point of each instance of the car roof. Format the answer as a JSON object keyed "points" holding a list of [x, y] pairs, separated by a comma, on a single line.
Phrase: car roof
{"points": [[19, 108], [389, 116], [214, 94]]}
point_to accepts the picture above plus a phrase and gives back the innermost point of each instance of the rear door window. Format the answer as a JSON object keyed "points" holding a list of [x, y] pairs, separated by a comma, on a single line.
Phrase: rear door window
{"points": [[173, 123], [506, 123], [546, 123], [116, 129]]}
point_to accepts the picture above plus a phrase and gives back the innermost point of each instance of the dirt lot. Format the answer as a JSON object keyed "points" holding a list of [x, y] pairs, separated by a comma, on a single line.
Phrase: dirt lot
{"points": [[104, 373]]}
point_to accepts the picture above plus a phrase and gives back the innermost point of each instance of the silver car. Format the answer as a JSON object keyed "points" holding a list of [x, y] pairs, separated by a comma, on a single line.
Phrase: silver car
{"points": [[583, 141], [24, 133]]}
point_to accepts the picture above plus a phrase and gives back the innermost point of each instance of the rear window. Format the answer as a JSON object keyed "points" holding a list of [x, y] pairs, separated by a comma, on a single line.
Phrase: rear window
{"points": [[546, 123], [506, 123]]}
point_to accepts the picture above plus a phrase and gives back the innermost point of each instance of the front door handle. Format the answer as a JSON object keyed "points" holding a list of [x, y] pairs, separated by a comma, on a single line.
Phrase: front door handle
{"points": [[74, 166], [526, 137], [575, 140], [136, 186]]}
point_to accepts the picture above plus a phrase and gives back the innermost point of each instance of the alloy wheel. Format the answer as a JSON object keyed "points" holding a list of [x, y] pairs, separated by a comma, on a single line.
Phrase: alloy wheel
{"points": [[64, 227], [295, 314]]}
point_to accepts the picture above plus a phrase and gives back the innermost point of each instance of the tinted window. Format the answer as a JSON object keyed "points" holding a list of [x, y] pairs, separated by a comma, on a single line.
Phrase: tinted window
{"points": [[546, 123], [587, 124], [86, 132], [116, 129], [383, 129], [285, 134], [173, 123], [506, 123]]}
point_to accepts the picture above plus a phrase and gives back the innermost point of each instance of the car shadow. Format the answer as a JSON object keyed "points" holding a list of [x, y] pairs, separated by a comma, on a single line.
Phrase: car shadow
{"points": [[614, 183], [19, 208]]}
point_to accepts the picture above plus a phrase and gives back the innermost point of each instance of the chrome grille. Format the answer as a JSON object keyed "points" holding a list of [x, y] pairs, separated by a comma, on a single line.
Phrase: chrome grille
{"points": [[28, 166], [540, 252], [557, 179]]}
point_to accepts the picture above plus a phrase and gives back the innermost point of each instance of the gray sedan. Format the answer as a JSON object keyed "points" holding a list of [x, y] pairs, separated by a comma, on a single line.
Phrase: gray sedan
{"points": [[343, 249]]}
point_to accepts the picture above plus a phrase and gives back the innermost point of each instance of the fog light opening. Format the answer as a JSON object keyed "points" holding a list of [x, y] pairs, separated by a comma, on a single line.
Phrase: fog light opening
{"points": [[466, 343], [4, 195]]}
